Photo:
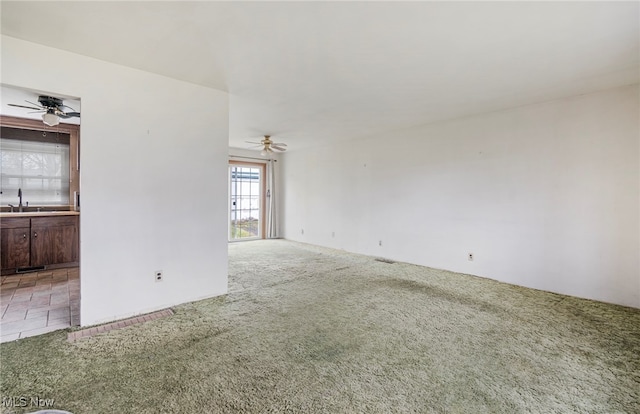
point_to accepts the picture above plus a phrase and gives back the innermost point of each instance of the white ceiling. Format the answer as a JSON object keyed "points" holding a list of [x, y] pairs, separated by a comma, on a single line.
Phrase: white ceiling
{"points": [[305, 71]]}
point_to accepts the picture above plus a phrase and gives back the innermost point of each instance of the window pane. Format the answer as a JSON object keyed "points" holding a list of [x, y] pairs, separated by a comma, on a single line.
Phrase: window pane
{"points": [[40, 169]]}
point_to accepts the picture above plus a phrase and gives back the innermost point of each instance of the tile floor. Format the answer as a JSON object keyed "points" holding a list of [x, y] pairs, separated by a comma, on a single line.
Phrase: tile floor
{"points": [[39, 302]]}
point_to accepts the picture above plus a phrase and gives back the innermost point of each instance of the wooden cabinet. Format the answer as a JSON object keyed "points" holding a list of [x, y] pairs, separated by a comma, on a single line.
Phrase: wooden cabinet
{"points": [[38, 242], [54, 240], [15, 243]]}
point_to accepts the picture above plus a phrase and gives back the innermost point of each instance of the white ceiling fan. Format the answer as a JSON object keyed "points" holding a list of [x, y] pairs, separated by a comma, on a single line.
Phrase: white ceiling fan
{"points": [[269, 146]]}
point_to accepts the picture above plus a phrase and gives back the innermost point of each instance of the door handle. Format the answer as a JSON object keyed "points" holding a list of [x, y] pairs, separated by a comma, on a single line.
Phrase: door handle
{"points": [[35, 234]]}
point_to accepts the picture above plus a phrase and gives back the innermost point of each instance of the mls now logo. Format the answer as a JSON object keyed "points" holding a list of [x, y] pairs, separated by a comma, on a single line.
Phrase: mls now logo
{"points": [[37, 402]]}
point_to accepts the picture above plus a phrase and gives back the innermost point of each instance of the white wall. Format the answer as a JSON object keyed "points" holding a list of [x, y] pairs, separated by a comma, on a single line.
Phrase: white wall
{"points": [[544, 196], [153, 167]]}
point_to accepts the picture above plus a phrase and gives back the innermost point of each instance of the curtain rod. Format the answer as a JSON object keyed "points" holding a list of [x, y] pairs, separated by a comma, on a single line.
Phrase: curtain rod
{"points": [[252, 158]]}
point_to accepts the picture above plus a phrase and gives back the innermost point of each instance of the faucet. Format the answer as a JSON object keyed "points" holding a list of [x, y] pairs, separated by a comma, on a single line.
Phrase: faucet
{"points": [[20, 197], [12, 206]]}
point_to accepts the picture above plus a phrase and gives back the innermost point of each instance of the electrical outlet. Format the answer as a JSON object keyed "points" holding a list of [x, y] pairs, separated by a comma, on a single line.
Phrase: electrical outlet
{"points": [[471, 257], [158, 275], [379, 242], [333, 234], [302, 231]]}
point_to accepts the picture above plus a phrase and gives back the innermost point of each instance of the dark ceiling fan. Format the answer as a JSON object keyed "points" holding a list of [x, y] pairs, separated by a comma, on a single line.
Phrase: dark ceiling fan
{"points": [[52, 108]]}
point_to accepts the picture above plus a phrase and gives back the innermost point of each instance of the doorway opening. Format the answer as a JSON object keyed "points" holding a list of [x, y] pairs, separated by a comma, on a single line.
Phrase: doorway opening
{"points": [[247, 201], [40, 218]]}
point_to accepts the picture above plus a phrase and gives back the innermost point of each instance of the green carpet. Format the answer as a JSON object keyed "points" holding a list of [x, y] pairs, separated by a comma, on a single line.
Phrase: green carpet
{"points": [[312, 330]]}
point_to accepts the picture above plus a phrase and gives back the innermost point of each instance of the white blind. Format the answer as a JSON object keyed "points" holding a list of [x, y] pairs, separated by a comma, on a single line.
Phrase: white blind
{"points": [[40, 169]]}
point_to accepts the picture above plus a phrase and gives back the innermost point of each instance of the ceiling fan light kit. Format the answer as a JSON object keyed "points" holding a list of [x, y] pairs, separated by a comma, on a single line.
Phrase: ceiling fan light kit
{"points": [[50, 118]]}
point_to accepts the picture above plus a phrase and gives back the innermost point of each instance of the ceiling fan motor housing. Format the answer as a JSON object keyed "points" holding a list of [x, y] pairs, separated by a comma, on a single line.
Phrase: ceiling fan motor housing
{"points": [[49, 101]]}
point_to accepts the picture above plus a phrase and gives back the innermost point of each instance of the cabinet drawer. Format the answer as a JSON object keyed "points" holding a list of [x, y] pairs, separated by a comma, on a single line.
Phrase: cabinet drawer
{"points": [[14, 222], [54, 221]]}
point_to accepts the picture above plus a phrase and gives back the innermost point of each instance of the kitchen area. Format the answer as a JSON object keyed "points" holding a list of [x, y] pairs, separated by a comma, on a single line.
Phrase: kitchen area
{"points": [[39, 220]]}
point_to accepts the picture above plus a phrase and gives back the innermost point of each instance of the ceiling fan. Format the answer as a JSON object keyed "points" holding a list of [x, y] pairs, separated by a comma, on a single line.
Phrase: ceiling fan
{"points": [[268, 146], [52, 108]]}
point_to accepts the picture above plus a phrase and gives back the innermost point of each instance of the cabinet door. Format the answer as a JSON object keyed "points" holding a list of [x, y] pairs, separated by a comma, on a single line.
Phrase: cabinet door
{"points": [[54, 240], [14, 244]]}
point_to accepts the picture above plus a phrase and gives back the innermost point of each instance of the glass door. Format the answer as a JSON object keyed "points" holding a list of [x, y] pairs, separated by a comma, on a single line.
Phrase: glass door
{"points": [[245, 208]]}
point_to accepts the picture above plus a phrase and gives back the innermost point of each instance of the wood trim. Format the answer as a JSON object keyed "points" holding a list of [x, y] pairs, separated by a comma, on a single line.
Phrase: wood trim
{"points": [[31, 135], [74, 144], [263, 189], [37, 125]]}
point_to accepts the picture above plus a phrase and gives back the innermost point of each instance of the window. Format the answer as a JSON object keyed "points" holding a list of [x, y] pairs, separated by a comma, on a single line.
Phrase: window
{"points": [[40, 169], [41, 161]]}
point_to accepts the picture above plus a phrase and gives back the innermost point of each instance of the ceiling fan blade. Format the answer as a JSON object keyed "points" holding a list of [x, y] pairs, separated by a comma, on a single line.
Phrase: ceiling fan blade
{"points": [[35, 104], [253, 142], [28, 107], [280, 144], [69, 114], [67, 106], [278, 148]]}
